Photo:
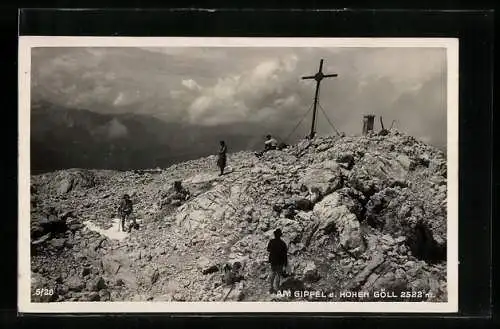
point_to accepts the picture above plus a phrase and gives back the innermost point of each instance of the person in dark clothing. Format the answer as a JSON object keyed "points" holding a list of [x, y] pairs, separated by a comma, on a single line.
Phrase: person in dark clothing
{"points": [[221, 161], [278, 257], [125, 210]]}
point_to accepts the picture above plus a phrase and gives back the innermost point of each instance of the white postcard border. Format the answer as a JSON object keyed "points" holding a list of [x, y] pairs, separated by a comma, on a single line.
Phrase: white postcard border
{"points": [[24, 274]]}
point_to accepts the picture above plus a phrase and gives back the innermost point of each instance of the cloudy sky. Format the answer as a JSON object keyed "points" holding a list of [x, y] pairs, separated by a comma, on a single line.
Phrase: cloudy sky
{"points": [[211, 86]]}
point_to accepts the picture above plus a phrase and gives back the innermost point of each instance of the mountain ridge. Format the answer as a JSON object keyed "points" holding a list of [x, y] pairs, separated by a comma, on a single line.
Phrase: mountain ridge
{"points": [[358, 214], [64, 138]]}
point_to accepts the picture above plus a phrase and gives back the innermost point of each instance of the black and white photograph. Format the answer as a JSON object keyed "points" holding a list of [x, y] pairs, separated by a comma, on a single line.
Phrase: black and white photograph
{"points": [[231, 174]]}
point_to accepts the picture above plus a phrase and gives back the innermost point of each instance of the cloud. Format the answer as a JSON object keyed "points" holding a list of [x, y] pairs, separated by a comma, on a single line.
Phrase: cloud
{"points": [[214, 86], [191, 84], [119, 100], [247, 96]]}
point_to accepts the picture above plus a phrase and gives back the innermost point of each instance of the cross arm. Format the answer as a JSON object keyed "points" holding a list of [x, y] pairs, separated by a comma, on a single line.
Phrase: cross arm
{"points": [[309, 77], [329, 75]]}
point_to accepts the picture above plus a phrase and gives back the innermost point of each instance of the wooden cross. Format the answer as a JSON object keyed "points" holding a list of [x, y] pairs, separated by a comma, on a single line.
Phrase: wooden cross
{"points": [[318, 77]]}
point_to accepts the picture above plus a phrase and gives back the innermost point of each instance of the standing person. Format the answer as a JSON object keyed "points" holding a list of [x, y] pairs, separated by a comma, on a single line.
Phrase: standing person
{"points": [[221, 161], [278, 257], [125, 210]]}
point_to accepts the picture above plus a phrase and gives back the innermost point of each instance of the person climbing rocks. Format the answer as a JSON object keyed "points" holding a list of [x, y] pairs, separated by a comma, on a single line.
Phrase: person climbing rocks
{"points": [[278, 258], [125, 209], [270, 144], [221, 161]]}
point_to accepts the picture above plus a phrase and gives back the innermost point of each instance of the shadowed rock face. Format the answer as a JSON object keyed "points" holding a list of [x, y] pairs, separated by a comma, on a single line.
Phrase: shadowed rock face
{"points": [[424, 246], [356, 213]]}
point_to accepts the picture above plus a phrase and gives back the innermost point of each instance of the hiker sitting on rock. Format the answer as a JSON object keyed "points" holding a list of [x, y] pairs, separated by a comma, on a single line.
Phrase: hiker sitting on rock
{"points": [[270, 144], [125, 209], [278, 258], [175, 196]]}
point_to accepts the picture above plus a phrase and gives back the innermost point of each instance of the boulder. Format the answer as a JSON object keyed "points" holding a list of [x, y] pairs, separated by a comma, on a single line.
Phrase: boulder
{"points": [[292, 229], [66, 181], [362, 276], [304, 204], [338, 219], [323, 147], [405, 162], [118, 266], [292, 284], [75, 226], [43, 224], [376, 207], [348, 197], [309, 233], [64, 186], [390, 282], [74, 283], [58, 243], [400, 213], [93, 297], [104, 295], [324, 180], [199, 213], [310, 272], [375, 171]]}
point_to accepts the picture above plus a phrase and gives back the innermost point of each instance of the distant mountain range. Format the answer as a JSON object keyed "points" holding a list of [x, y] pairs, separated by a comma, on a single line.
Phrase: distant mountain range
{"points": [[78, 138]]}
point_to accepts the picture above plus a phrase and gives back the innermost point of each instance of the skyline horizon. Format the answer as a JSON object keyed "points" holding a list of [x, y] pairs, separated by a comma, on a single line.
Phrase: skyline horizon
{"points": [[254, 85]]}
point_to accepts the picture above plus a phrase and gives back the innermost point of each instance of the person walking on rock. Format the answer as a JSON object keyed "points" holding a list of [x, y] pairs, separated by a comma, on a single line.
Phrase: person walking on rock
{"points": [[278, 257], [125, 210], [221, 161]]}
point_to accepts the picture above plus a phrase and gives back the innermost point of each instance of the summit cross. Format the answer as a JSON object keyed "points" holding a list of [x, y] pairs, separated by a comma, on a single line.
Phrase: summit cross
{"points": [[318, 77]]}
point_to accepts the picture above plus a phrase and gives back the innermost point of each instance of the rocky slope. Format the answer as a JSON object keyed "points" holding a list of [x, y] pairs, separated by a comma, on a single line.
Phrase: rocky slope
{"points": [[358, 214]]}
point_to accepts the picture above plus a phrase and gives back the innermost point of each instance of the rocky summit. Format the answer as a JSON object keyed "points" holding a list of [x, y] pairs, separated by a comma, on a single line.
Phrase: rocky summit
{"points": [[357, 213]]}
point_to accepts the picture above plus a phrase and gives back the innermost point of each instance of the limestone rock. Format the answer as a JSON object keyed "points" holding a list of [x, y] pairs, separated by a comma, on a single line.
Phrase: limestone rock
{"points": [[378, 219], [338, 219], [74, 283], [311, 273], [57, 243]]}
